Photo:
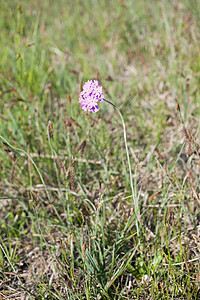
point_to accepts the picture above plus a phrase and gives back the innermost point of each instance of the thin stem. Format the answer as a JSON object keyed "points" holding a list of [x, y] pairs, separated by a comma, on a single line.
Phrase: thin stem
{"points": [[129, 164]]}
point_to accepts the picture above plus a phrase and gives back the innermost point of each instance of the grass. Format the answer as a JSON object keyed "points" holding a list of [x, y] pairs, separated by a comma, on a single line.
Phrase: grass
{"points": [[67, 216]]}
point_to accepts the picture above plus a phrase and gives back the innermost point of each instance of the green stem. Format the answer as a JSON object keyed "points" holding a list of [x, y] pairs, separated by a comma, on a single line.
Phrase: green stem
{"points": [[129, 164]]}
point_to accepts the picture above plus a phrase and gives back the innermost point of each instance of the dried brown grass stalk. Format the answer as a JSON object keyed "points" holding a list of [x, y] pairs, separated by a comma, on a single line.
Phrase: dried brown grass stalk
{"points": [[50, 130], [177, 107], [80, 87], [93, 120], [12, 171], [71, 121], [193, 148], [71, 172], [187, 134], [60, 164], [82, 147], [190, 151], [187, 84], [73, 187], [70, 166], [4, 119], [84, 252], [69, 98], [154, 195]]}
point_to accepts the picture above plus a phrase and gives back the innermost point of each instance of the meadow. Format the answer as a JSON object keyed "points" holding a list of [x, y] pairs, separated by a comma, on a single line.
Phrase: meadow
{"points": [[80, 218]]}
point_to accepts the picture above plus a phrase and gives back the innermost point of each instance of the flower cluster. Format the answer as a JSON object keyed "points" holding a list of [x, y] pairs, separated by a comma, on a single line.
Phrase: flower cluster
{"points": [[90, 95]]}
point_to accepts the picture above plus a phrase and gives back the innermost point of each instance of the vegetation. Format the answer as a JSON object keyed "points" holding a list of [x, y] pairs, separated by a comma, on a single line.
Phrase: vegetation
{"points": [[68, 214]]}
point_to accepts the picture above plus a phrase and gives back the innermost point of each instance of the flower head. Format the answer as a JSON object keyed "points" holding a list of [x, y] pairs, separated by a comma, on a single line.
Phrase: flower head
{"points": [[90, 95]]}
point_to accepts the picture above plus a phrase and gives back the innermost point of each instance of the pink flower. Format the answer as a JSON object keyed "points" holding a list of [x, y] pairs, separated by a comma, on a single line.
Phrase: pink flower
{"points": [[90, 95]]}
